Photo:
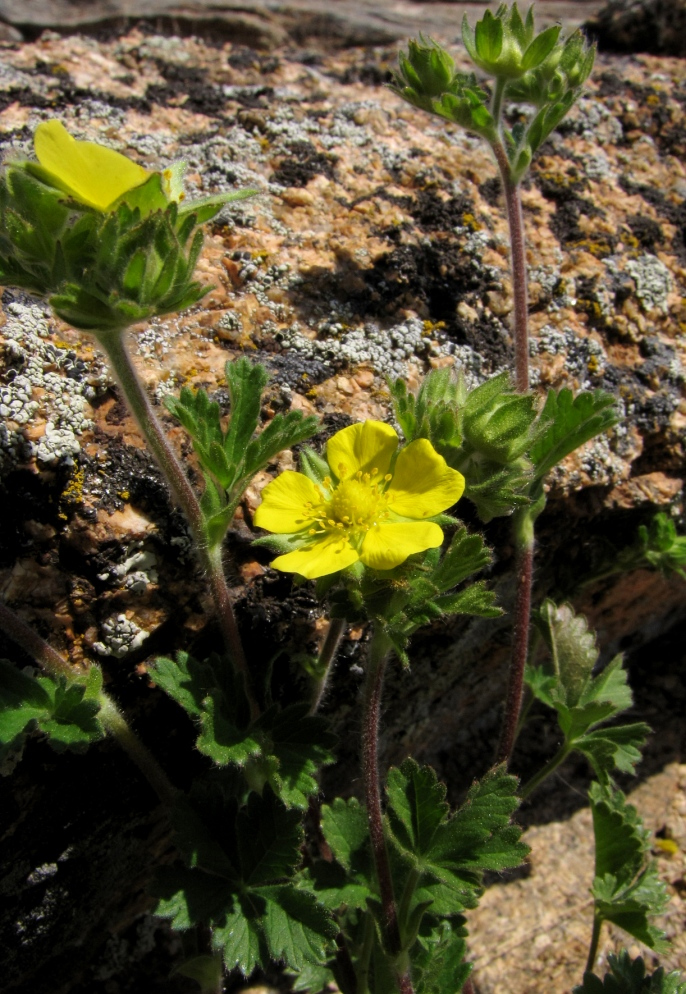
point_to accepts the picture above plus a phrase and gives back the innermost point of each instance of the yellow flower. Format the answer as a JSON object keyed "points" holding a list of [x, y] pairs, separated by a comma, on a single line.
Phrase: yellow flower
{"points": [[90, 173], [362, 511]]}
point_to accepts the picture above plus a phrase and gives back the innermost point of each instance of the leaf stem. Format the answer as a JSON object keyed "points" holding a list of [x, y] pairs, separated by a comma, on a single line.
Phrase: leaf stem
{"points": [[114, 346], [595, 940], [378, 654], [545, 771], [411, 884], [327, 655], [113, 721]]}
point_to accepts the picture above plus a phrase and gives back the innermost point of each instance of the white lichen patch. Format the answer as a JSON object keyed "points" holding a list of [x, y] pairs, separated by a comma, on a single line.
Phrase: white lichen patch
{"points": [[46, 381], [120, 635], [585, 358], [653, 281], [388, 351]]}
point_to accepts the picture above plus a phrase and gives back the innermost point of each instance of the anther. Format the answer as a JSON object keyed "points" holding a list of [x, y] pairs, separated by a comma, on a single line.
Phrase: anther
{"points": [[331, 522], [388, 477]]}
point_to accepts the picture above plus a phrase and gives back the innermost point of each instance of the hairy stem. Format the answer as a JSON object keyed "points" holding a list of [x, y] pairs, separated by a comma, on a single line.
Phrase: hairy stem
{"points": [[545, 771], [515, 220], [593, 948], [46, 657], [524, 568], [376, 665], [468, 987], [327, 655], [114, 345], [497, 100], [113, 721], [523, 535]]}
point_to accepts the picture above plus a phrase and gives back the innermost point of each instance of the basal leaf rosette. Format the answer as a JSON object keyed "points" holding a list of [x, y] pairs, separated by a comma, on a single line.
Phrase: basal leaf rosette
{"points": [[375, 506], [107, 241]]}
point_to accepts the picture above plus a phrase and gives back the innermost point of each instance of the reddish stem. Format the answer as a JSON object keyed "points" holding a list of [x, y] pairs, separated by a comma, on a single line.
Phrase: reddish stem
{"points": [[520, 648]]}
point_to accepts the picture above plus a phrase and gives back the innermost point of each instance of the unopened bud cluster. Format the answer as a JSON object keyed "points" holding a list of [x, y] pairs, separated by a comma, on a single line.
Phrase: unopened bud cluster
{"points": [[537, 69]]}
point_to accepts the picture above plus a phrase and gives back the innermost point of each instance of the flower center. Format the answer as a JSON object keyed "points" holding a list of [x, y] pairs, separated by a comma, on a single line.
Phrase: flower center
{"points": [[356, 503]]}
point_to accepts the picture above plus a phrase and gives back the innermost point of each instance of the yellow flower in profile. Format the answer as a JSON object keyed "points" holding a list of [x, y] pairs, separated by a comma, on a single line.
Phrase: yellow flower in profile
{"points": [[88, 172], [364, 510]]}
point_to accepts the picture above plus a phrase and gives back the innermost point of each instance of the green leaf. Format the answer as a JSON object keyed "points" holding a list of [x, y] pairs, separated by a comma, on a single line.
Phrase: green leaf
{"points": [[626, 888], [465, 555], [617, 748], [572, 648], [417, 805], [573, 421], [222, 738], [348, 880], [207, 971], [298, 929], [454, 851], [345, 828], [66, 712], [185, 680], [246, 384], [438, 961], [282, 432], [627, 976], [269, 840], [298, 744]]}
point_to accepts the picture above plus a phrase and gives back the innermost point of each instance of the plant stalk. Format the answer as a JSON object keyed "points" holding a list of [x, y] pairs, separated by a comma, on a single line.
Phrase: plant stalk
{"points": [[379, 648], [46, 657], [327, 655], [114, 346], [524, 568], [113, 721], [524, 538], [515, 221], [545, 771], [595, 940]]}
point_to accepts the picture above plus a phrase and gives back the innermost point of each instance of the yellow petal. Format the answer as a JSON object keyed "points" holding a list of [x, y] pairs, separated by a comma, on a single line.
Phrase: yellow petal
{"points": [[330, 555], [283, 507], [423, 484], [91, 173], [362, 448], [388, 545]]}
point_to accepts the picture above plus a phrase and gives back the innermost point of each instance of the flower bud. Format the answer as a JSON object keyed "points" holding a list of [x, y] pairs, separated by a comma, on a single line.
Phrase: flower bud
{"points": [[504, 45]]}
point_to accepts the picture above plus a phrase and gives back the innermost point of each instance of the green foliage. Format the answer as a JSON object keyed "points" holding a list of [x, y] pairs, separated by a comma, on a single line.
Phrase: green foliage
{"points": [[101, 271], [583, 702], [627, 976], [451, 852], [67, 713], [626, 889], [504, 45], [437, 862], [482, 433], [421, 592], [283, 748], [496, 437], [536, 69], [231, 456], [240, 883], [571, 421], [657, 546]]}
